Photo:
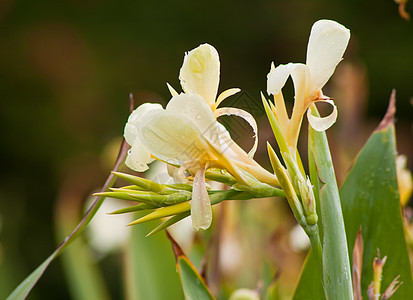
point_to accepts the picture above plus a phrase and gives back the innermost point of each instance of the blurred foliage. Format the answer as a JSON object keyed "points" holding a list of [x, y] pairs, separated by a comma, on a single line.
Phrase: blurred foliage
{"points": [[67, 68], [370, 205]]}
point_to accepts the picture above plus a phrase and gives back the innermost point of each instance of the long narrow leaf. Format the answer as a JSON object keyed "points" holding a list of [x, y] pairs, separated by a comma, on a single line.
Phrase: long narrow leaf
{"points": [[150, 266], [370, 200], [24, 288], [193, 284]]}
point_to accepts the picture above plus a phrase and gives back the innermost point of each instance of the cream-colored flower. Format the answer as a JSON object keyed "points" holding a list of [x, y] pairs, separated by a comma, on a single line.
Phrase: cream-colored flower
{"points": [[327, 43], [199, 74], [176, 135], [138, 156], [187, 135]]}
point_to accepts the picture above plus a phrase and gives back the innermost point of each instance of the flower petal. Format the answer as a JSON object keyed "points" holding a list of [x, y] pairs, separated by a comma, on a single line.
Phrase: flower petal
{"points": [[225, 94], [327, 43], [194, 109], [134, 121], [247, 117], [200, 72], [323, 123], [201, 212], [277, 78], [138, 157], [172, 138], [226, 142]]}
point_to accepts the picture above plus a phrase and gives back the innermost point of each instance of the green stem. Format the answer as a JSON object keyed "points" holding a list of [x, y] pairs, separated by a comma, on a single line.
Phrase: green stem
{"points": [[335, 258], [316, 246]]}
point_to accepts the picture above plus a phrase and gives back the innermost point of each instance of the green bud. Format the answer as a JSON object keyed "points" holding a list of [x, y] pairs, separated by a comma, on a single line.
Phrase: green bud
{"points": [[308, 200], [287, 186]]}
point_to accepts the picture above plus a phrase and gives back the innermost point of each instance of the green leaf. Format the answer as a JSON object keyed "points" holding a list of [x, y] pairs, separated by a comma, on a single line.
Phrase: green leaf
{"points": [[310, 285], [79, 263], [193, 284], [83, 275], [370, 200], [145, 184], [169, 222], [150, 266], [163, 212], [139, 207], [275, 126], [24, 288]]}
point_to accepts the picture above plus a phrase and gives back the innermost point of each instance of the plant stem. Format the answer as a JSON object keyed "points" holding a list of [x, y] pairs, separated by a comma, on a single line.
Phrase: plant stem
{"points": [[335, 258]]}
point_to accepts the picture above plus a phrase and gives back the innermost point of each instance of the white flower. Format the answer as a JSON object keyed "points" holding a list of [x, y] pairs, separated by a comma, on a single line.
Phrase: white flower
{"points": [[138, 156], [186, 133], [176, 135], [327, 43], [200, 72]]}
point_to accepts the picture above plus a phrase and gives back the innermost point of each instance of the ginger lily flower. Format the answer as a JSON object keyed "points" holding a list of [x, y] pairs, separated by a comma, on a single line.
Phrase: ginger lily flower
{"points": [[199, 74], [177, 136], [187, 134], [327, 43]]}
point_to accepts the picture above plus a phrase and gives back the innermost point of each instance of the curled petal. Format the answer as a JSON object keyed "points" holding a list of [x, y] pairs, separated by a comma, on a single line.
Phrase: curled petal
{"points": [[201, 212], [323, 123], [247, 117], [194, 109], [131, 131], [327, 43], [277, 78], [138, 157], [200, 72], [173, 138], [225, 94]]}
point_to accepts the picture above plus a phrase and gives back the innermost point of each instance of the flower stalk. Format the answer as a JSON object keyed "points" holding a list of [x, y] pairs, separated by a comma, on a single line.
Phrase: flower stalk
{"points": [[337, 280]]}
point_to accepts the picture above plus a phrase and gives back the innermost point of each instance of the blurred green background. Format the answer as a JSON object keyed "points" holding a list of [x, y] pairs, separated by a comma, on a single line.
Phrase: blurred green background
{"points": [[67, 68]]}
